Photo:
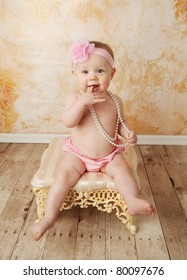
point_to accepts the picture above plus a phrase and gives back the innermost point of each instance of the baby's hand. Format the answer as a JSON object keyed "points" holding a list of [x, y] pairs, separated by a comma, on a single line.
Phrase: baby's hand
{"points": [[90, 97], [132, 138]]}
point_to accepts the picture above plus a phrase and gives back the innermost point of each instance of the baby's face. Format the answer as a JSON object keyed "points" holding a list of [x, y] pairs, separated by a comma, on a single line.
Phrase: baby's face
{"points": [[95, 72]]}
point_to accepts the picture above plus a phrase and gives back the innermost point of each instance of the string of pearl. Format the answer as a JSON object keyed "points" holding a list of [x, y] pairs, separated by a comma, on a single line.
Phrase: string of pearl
{"points": [[101, 129], [119, 120], [119, 113]]}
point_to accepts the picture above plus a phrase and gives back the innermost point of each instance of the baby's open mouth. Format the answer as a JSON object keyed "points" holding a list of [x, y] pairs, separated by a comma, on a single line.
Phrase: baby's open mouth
{"points": [[94, 87]]}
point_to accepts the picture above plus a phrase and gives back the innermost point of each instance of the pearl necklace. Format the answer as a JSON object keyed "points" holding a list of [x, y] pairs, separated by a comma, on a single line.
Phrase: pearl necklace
{"points": [[111, 140]]}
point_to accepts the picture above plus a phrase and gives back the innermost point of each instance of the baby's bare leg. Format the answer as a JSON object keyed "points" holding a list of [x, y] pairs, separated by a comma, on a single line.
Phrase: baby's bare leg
{"points": [[67, 175], [127, 186]]}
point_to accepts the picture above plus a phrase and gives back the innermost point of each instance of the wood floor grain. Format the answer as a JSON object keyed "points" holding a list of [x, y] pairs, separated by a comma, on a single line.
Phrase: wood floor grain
{"points": [[89, 233]]}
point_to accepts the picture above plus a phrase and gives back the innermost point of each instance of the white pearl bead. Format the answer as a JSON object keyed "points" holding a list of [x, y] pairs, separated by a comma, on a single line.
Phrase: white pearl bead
{"points": [[110, 139]]}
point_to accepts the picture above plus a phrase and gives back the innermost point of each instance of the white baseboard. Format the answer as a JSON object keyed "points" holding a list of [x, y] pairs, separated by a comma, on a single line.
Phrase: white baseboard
{"points": [[45, 138], [162, 140], [28, 138]]}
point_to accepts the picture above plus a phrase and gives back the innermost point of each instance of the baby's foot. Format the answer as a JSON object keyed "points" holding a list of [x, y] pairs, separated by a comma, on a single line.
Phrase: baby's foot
{"points": [[38, 229], [138, 206]]}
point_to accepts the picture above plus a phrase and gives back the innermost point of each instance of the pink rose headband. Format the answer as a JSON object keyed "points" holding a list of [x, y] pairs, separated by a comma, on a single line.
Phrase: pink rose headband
{"points": [[81, 49]]}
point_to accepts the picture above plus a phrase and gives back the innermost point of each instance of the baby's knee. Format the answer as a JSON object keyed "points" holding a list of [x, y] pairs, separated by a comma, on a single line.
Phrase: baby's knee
{"points": [[122, 168]]}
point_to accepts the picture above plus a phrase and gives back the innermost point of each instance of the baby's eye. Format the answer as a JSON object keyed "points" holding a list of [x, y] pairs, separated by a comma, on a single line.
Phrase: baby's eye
{"points": [[100, 71], [84, 72]]}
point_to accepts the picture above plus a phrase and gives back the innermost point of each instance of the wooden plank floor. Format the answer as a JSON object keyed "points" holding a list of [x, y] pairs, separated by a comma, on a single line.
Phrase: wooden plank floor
{"points": [[89, 233]]}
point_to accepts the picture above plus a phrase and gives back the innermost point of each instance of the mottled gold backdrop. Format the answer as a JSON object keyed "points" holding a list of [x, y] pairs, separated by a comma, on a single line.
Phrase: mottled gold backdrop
{"points": [[149, 38]]}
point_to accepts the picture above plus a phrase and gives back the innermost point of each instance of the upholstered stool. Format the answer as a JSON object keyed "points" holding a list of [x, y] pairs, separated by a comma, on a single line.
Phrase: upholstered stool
{"points": [[93, 188]]}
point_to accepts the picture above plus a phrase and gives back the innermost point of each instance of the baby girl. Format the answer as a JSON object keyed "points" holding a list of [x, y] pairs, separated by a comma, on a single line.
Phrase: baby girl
{"points": [[96, 119]]}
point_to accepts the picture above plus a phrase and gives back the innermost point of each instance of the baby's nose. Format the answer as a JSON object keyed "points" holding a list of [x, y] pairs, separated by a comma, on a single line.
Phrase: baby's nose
{"points": [[93, 76]]}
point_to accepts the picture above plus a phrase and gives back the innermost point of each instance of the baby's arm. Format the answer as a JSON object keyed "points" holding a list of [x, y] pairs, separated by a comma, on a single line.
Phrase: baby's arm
{"points": [[131, 137], [73, 110], [77, 104]]}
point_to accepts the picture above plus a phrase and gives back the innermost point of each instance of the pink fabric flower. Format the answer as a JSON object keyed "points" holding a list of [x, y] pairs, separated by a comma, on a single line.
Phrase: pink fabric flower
{"points": [[80, 51]]}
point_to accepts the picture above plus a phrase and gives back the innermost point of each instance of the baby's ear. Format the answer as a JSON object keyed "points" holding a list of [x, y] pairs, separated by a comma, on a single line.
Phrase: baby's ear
{"points": [[113, 72]]}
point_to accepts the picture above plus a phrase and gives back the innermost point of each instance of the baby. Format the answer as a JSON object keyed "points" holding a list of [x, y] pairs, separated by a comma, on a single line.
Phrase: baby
{"points": [[96, 118]]}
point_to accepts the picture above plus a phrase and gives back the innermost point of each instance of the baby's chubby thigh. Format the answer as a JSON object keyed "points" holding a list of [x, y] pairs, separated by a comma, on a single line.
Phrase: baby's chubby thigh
{"points": [[69, 170], [116, 166]]}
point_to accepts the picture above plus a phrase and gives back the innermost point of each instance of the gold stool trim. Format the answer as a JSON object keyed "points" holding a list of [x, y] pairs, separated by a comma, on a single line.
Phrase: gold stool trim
{"points": [[103, 199]]}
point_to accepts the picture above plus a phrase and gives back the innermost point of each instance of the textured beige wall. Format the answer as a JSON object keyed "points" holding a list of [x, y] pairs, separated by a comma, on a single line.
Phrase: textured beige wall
{"points": [[149, 38]]}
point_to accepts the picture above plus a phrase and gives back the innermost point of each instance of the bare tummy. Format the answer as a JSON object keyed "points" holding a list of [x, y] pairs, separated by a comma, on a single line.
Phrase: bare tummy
{"points": [[86, 136]]}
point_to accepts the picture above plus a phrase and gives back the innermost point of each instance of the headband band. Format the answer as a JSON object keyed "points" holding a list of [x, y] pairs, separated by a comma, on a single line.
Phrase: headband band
{"points": [[82, 49]]}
